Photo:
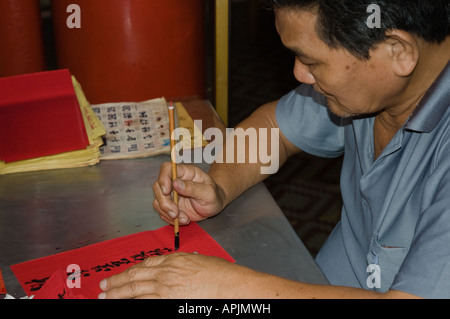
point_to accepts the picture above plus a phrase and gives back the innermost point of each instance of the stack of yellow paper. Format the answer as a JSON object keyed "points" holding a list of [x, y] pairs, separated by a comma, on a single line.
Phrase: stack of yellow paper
{"points": [[85, 157]]}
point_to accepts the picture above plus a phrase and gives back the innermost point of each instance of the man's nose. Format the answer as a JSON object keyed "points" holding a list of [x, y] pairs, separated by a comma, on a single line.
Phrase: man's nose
{"points": [[302, 74]]}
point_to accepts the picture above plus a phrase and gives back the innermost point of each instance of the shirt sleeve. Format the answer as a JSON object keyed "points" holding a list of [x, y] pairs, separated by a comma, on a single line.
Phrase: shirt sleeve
{"points": [[425, 271], [305, 120]]}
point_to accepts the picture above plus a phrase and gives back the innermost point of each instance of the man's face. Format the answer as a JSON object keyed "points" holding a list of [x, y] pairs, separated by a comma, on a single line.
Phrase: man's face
{"points": [[351, 86]]}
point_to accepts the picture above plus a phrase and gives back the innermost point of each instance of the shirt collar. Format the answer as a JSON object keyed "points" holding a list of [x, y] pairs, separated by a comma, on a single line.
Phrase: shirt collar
{"points": [[433, 105]]}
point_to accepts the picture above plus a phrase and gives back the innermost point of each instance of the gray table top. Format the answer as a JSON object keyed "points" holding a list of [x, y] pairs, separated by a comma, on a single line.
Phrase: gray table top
{"points": [[48, 212]]}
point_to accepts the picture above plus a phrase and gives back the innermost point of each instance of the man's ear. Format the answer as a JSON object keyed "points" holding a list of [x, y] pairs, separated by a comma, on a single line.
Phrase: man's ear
{"points": [[404, 51]]}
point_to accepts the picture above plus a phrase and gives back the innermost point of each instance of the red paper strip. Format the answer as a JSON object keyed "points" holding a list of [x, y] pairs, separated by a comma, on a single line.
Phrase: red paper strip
{"points": [[105, 259], [2, 285], [56, 288]]}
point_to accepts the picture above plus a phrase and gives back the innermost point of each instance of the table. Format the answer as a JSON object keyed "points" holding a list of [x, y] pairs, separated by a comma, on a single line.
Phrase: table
{"points": [[48, 212], [43, 213]]}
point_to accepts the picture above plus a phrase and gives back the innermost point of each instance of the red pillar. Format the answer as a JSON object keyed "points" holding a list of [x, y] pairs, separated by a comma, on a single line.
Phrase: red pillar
{"points": [[21, 43], [133, 50]]}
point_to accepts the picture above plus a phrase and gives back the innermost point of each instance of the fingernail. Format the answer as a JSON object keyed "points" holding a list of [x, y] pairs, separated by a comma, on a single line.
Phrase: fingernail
{"points": [[102, 296], [103, 284], [183, 219], [172, 214], [180, 184], [164, 190]]}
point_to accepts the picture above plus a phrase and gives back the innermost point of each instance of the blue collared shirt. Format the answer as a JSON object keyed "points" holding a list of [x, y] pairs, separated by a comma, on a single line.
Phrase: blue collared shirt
{"points": [[396, 208]]}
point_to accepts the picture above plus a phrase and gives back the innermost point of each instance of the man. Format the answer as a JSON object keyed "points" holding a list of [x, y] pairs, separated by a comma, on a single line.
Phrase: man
{"points": [[381, 97]]}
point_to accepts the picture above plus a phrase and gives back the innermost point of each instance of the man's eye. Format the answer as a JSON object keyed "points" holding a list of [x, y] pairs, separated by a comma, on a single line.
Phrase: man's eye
{"points": [[305, 62], [309, 64]]}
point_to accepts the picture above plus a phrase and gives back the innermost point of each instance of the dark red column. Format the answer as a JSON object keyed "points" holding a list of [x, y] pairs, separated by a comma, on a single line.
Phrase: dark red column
{"points": [[21, 43]]}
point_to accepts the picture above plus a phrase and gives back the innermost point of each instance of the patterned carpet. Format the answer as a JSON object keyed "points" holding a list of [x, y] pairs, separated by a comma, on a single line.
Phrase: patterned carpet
{"points": [[307, 187]]}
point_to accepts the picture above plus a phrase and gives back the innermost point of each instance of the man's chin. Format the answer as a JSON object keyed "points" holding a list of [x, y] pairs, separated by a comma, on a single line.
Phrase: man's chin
{"points": [[337, 109]]}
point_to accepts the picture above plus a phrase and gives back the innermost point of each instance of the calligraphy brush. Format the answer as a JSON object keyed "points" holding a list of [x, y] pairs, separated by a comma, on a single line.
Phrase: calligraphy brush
{"points": [[174, 172]]}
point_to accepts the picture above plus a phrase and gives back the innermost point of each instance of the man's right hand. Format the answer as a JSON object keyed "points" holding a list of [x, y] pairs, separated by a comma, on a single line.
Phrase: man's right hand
{"points": [[199, 197]]}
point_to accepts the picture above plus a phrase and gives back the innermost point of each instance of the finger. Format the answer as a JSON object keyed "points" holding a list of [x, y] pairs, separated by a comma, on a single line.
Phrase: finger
{"points": [[165, 178], [162, 214], [196, 191], [162, 188], [191, 172], [163, 203], [133, 290], [184, 171], [140, 272], [184, 218], [169, 218]]}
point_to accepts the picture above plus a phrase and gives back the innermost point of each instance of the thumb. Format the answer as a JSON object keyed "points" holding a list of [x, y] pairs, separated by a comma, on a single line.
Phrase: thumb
{"points": [[190, 189], [185, 188], [203, 198]]}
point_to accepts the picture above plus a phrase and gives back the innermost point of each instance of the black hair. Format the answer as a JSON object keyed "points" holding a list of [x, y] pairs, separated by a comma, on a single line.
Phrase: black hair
{"points": [[343, 23]]}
